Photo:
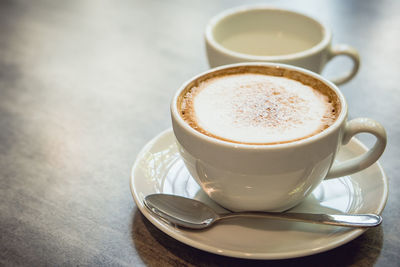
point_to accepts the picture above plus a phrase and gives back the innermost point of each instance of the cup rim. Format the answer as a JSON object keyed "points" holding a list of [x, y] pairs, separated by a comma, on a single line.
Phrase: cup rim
{"points": [[185, 126], [324, 42]]}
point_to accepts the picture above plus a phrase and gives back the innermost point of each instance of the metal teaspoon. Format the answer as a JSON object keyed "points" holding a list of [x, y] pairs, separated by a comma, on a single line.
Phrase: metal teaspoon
{"points": [[193, 214]]}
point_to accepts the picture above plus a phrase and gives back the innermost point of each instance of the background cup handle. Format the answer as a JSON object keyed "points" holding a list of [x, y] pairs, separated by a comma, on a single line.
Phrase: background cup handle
{"points": [[349, 51], [361, 162]]}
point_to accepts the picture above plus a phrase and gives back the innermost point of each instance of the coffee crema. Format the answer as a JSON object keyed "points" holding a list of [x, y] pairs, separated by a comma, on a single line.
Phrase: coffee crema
{"points": [[253, 107]]}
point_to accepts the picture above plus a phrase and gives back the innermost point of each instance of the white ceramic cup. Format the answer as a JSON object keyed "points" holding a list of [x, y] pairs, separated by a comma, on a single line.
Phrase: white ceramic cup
{"points": [[265, 34], [270, 177]]}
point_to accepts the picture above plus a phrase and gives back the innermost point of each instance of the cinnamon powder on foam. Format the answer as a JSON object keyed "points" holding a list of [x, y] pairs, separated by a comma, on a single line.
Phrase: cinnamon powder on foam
{"points": [[256, 102]]}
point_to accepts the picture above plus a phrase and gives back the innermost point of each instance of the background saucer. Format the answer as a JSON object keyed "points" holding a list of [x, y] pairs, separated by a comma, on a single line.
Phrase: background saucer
{"points": [[159, 169]]}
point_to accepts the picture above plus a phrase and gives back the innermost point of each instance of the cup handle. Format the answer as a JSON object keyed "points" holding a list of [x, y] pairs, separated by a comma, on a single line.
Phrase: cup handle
{"points": [[349, 51], [353, 127]]}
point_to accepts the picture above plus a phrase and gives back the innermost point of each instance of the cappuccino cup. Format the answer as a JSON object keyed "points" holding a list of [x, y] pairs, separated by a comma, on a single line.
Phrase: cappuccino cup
{"points": [[265, 34], [262, 136]]}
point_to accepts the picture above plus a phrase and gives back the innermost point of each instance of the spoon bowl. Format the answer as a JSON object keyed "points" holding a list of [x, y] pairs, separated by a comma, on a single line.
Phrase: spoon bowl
{"points": [[182, 211]]}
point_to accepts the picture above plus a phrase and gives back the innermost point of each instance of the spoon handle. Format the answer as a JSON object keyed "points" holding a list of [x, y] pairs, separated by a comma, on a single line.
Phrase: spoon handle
{"points": [[347, 220]]}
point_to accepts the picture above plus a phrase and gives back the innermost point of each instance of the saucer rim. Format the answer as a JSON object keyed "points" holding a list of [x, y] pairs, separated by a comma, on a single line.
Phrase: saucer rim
{"points": [[165, 228]]}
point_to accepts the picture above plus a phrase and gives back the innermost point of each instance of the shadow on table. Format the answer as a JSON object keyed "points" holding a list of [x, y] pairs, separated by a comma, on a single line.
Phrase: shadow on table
{"points": [[158, 249]]}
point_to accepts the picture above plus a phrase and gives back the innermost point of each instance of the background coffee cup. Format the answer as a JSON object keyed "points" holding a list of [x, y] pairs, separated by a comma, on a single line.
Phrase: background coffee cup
{"points": [[265, 34], [270, 177]]}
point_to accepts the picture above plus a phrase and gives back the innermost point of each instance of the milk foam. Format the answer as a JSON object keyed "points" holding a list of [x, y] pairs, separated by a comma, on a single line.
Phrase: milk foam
{"points": [[257, 108]]}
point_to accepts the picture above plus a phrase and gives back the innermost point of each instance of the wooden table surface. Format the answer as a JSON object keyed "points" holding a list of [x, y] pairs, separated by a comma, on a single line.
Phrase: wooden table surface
{"points": [[85, 84]]}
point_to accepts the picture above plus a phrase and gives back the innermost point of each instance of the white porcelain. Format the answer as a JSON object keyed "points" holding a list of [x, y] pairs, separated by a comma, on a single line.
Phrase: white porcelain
{"points": [[270, 177], [160, 169], [274, 28]]}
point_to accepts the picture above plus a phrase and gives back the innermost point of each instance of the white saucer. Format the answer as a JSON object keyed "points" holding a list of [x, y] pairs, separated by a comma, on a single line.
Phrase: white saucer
{"points": [[159, 169]]}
